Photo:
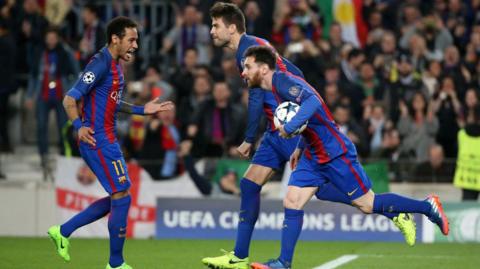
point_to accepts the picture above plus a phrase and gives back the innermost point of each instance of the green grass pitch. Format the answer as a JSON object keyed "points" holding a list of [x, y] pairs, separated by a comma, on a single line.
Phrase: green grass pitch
{"points": [[39, 253]]}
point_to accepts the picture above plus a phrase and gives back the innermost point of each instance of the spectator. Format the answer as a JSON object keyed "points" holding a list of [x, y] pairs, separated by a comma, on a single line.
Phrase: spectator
{"points": [[159, 151], [183, 77], [188, 32], [256, 23], [349, 127], [453, 68], [93, 37], [333, 45], [376, 125], [231, 75], [54, 71], [470, 59], [403, 85], [435, 169], [431, 77], [295, 12], [447, 107], [156, 85], [56, 10], [468, 109], [331, 95], [437, 37], [409, 18], [201, 91], [383, 61], [467, 174], [418, 53], [456, 19], [7, 82], [367, 90], [32, 27], [350, 67], [217, 126], [304, 54], [417, 127], [375, 28]]}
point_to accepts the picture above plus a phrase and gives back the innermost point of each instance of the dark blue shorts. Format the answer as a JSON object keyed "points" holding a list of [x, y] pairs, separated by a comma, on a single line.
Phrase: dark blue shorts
{"points": [[274, 151], [108, 164], [345, 172]]}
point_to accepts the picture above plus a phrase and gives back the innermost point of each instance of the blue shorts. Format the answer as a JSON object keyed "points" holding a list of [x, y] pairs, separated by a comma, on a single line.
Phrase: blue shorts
{"points": [[345, 172], [108, 164], [274, 151]]}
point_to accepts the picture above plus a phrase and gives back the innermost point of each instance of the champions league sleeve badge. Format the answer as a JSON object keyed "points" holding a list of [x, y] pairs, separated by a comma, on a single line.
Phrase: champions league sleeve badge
{"points": [[88, 77]]}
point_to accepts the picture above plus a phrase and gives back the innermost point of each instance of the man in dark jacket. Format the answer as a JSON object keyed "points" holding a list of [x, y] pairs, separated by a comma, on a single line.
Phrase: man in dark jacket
{"points": [[218, 125], [7, 84], [54, 70]]}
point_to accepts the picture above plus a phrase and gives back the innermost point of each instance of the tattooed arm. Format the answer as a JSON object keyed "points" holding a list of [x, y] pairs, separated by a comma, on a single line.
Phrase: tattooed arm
{"points": [[130, 108], [149, 108], [84, 133]]}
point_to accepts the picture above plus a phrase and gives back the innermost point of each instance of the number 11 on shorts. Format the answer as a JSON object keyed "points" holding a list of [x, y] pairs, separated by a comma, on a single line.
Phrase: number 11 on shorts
{"points": [[119, 165]]}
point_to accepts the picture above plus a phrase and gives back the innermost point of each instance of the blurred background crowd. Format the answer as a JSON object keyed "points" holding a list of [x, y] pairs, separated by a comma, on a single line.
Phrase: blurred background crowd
{"points": [[401, 88]]}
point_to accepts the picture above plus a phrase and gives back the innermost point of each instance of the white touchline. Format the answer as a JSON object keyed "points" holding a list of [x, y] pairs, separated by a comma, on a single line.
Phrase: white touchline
{"points": [[337, 262]]}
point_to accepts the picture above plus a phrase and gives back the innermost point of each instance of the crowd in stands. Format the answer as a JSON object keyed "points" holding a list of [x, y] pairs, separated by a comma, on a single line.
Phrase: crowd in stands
{"points": [[402, 94]]}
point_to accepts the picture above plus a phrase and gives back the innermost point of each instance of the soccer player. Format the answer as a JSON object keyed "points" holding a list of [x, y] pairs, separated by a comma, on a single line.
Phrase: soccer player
{"points": [[101, 86], [228, 30], [329, 156]]}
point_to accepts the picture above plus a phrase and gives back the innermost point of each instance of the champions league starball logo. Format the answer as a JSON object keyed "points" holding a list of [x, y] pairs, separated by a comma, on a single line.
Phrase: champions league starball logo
{"points": [[294, 91], [88, 77]]}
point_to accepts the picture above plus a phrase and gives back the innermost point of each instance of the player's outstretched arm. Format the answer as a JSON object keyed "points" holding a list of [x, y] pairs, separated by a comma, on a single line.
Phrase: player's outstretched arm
{"points": [[154, 106], [151, 107]]}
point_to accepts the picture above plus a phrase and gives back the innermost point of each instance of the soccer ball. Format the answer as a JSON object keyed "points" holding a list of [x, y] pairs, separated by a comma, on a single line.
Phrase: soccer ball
{"points": [[284, 113]]}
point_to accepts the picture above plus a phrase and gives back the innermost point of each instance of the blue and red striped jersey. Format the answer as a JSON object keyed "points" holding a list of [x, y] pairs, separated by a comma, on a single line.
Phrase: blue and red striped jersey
{"points": [[323, 139], [258, 98], [100, 86]]}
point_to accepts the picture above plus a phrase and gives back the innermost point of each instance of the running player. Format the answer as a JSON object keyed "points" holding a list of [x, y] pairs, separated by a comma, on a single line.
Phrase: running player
{"points": [[329, 156]]}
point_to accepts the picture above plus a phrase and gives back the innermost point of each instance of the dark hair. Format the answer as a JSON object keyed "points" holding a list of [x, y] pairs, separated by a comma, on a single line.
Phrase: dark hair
{"points": [[52, 29], [92, 8], [117, 27], [411, 110], [230, 14], [341, 106], [354, 53], [191, 48], [3, 23], [262, 54]]}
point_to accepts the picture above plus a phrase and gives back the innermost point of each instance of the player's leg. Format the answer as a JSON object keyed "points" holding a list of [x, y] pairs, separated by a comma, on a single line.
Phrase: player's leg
{"points": [[404, 221], [358, 188], [117, 227], [250, 186], [294, 202], [99, 208], [60, 233], [117, 184], [273, 152], [266, 159], [302, 186], [392, 202]]}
